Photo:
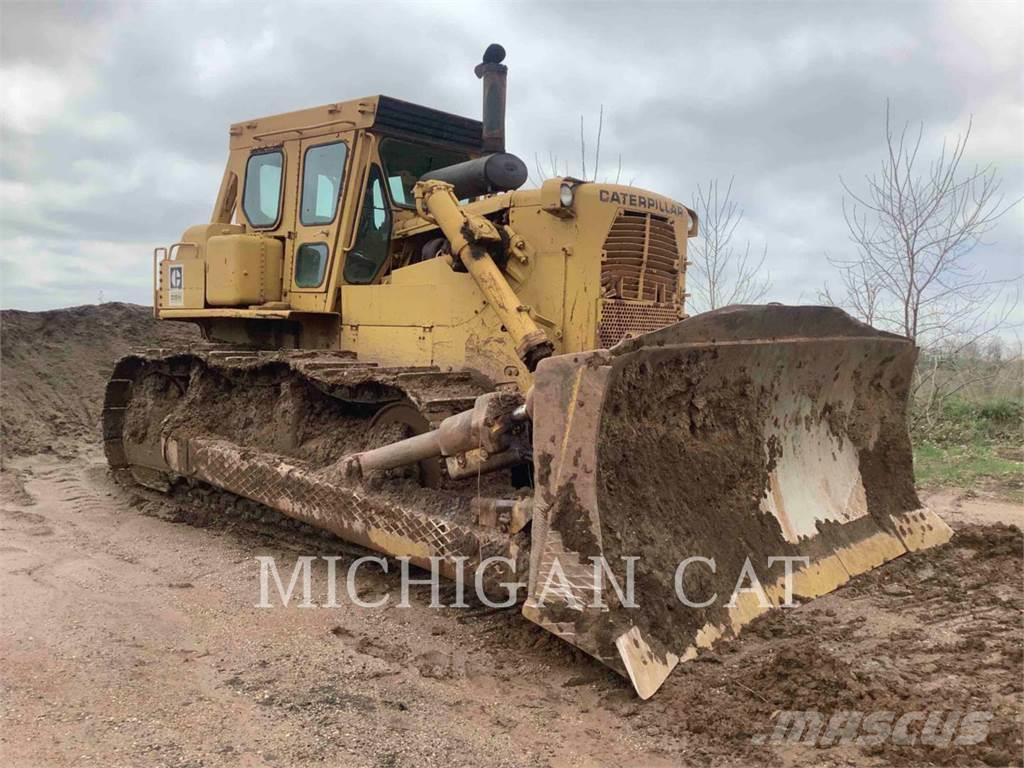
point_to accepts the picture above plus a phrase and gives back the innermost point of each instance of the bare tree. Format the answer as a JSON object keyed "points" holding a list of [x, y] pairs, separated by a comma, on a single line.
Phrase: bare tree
{"points": [[555, 166], [722, 272], [861, 293], [915, 226]]}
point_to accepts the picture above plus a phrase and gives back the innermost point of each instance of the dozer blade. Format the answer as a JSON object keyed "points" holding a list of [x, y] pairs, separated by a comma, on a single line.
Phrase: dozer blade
{"points": [[739, 436]]}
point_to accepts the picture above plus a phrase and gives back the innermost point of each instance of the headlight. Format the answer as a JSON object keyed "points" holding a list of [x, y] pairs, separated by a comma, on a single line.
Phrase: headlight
{"points": [[565, 195]]}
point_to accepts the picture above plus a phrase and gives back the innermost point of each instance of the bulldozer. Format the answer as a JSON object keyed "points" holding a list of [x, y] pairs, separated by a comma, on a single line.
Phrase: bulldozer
{"points": [[405, 347]]}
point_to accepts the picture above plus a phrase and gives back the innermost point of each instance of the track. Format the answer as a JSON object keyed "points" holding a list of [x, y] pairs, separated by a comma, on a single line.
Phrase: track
{"points": [[359, 388], [271, 427]]}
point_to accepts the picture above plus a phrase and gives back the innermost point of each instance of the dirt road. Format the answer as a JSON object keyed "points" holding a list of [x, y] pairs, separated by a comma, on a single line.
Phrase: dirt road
{"points": [[131, 639], [129, 633]]}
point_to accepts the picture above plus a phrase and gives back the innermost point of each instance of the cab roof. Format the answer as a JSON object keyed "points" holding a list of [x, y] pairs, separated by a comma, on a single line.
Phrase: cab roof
{"points": [[384, 114]]}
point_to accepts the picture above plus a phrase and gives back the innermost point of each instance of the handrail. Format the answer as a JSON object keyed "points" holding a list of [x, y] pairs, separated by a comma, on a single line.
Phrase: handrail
{"points": [[156, 279], [301, 130], [168, 254], [170, 251]]}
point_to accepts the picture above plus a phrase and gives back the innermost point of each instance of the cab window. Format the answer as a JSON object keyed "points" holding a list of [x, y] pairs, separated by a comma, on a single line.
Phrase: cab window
{"points": [[373, 235], [405, 162], [322, 172], [261, 199], [310, 264]]}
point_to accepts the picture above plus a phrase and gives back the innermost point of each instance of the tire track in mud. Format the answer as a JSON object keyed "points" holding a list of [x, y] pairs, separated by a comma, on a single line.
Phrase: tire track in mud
{"points": [[88, 623], [61, 501], [374, 683], [252, 524]]}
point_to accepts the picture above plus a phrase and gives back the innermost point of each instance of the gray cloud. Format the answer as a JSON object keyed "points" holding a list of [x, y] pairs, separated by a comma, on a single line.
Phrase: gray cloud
{"points": [[114, 116]]}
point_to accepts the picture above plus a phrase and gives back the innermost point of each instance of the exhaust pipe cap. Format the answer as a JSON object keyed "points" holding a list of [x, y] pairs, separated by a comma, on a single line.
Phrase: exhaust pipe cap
{"points": [[495, 54]]}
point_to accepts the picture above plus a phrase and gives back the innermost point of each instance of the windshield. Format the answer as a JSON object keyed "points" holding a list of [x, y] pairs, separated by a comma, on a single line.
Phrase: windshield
{"points": [[405, 163]]}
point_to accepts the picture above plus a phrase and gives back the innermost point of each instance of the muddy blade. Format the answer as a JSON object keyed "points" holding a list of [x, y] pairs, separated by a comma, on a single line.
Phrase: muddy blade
{"points": [[742, 435]]}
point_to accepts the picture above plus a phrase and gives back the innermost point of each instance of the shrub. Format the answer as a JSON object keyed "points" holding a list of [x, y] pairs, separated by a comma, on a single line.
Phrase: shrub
{"points": [[961, 421]]}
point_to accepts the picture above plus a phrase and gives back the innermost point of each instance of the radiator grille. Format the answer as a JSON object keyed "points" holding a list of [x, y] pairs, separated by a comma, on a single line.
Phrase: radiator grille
{"points": [[641, 259], [623, 319]]}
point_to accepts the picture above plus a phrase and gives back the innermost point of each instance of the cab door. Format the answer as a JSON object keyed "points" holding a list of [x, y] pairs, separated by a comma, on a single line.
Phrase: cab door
{"points": [[319, 217], [371, 240]]}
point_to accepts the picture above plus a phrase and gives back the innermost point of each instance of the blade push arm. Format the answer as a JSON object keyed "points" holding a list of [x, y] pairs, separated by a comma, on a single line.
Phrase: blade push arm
{"points": [[470, 237]]}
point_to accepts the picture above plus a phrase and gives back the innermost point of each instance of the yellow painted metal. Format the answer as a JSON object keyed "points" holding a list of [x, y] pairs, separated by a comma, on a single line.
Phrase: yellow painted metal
{"points": [[235, 314], [200, 235], [324, 120], [416, 312], [182, 283], [470, 237], [243, 269], [431, 313], [318, 297]]}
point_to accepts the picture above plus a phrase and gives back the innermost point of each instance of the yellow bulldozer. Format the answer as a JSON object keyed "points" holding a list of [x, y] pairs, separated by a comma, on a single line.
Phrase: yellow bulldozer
{"points": [[404, 347]]}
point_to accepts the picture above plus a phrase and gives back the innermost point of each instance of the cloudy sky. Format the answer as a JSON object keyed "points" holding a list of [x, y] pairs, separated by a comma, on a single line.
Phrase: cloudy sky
{"points": [[114, 116]]}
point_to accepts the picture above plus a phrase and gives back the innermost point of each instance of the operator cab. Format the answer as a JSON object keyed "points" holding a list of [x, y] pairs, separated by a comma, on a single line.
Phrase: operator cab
{"points": [[311, 201]]}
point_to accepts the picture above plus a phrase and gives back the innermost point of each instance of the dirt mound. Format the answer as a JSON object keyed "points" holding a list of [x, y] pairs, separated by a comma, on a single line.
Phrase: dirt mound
{"points": [[929, 636], [991, 540], [810, 677], [54, 366]]}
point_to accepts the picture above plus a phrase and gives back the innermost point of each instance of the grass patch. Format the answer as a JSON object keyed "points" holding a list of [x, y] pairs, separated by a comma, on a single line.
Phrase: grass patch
{"points": [[966, 466], [972, 445]]}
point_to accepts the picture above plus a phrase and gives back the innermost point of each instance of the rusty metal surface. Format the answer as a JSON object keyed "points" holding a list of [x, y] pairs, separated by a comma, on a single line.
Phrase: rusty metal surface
{"points": [[372, 519], [622, 319], [641, 277]]}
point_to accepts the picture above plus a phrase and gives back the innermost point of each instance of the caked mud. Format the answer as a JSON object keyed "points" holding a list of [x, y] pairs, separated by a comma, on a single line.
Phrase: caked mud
{"points": [[275, 426], [730, 450], [664, 499], [935, 633]]}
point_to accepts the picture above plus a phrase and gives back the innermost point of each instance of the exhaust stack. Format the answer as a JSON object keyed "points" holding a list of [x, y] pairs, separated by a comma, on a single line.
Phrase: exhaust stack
{"points": [[494, 75]]}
